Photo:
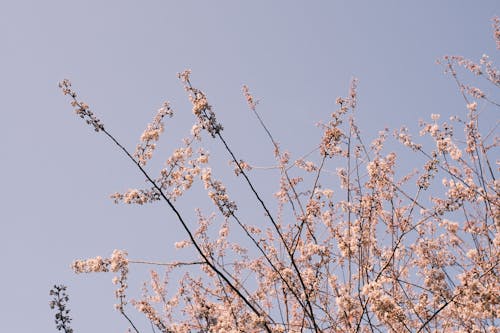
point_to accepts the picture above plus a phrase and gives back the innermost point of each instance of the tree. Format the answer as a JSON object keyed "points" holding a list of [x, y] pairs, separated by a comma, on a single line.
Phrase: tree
{"points": [[366, 251]]}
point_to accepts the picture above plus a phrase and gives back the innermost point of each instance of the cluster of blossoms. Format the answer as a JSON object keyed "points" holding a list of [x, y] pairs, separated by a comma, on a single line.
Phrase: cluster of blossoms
{"points": [[201, 109], [217, 192], [240, 167], [496, 31], [144, 151], [252, 103], [384, 304], [415, 254], [443, 136], [117, 263], [135, 196], [81, 108], [332, 133], [179, 174], [308, 166]]}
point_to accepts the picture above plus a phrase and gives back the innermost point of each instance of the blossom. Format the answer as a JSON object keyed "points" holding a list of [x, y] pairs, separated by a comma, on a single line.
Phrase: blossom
{"points": [[472, 106]]}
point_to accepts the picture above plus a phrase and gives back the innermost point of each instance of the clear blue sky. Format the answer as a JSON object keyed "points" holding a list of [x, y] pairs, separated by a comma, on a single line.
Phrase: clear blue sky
{"points": [[123, 56]]}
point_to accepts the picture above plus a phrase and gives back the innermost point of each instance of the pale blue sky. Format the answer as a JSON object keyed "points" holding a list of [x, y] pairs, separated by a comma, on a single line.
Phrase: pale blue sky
{"points": [[123, 56]]}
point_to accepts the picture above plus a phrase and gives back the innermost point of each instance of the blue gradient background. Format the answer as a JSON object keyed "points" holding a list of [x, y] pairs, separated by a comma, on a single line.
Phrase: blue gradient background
{"points": [[122, 57]]}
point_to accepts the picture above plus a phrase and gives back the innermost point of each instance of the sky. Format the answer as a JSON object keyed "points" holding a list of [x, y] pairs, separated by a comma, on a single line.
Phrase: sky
{"points": [[123, 58]]}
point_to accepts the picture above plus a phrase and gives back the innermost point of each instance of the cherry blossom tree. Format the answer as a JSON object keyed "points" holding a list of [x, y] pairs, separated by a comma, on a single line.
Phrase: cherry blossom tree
{"points": [[364, 250]]}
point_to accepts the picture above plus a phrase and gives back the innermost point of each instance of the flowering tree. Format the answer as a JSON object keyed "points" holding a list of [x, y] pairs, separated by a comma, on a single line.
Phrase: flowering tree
{"points": [[365, 251]]}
